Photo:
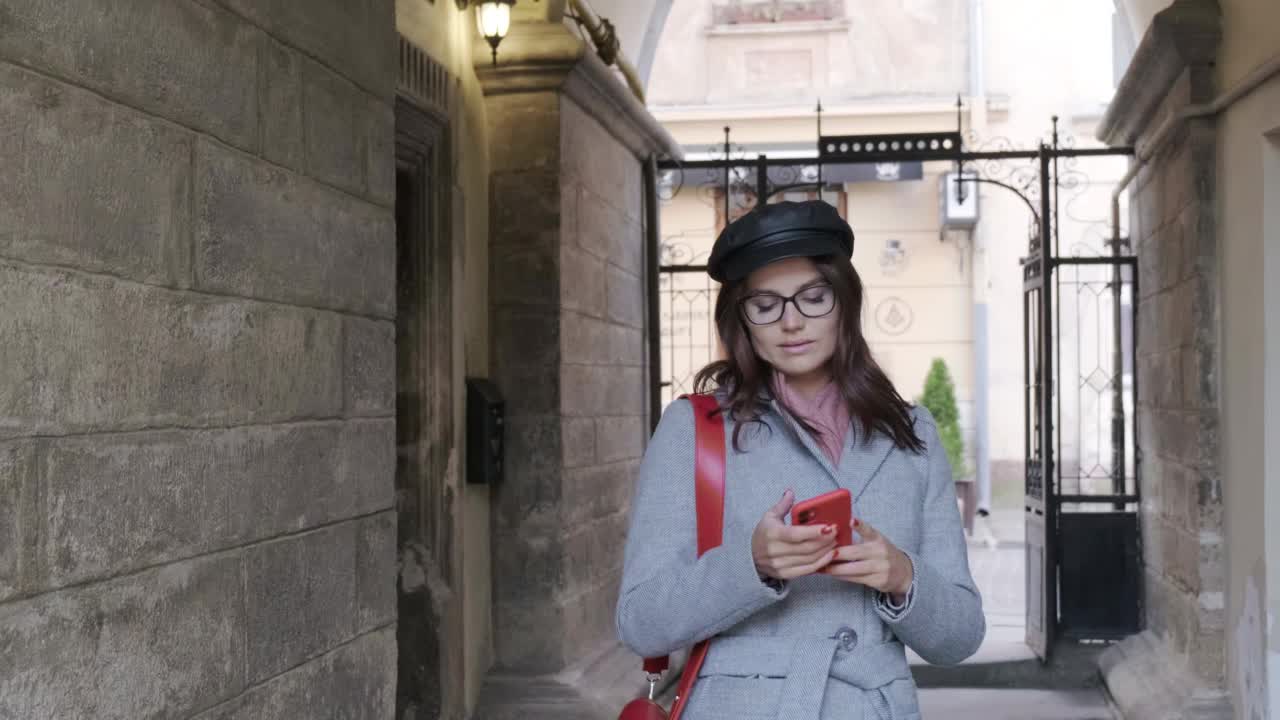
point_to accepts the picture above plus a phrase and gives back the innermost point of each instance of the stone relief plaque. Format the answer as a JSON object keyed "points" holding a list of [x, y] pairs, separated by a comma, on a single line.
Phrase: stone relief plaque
{"points": [[894, 316], [774, 69]]}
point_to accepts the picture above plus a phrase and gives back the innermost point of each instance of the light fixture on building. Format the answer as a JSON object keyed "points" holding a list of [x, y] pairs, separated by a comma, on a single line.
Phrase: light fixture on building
{"points": [[493, 18]]}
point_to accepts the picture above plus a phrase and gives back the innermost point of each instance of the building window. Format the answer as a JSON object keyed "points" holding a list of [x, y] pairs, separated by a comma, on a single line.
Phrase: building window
{"points": [[741, 12]]}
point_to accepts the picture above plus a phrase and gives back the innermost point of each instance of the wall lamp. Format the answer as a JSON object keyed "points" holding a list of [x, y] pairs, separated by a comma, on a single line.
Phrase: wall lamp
{"points": [[493, 18]]}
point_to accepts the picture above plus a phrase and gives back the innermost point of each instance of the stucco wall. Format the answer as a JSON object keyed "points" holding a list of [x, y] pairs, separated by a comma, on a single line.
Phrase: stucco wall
{"points": [[1249, 192]]}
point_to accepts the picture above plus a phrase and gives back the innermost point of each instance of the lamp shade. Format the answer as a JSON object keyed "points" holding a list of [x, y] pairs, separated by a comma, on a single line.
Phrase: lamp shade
{"points": [[493, 17]]}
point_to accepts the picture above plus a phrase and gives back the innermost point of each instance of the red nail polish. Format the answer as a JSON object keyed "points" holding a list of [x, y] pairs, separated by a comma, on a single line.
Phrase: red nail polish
{"points": [[828, 530], [856, 522]]}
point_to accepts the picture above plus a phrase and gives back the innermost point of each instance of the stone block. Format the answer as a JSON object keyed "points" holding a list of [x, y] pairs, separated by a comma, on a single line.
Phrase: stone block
{"points": [[19, 516], [1175, 329], [161, 357], [1186, 558], [1211, 563], [380, 134], [593, 553], [578, 437], [583, 282], [528, 390], [626, 297], [584, 340], [1208, 659], [376, 571], [1160, 376], [570, 194], [598, 491], [368, 462], [1173, 494], [593, 628], [607, 232], [120, 502], [1153, 554], [193, 63], [355, 37], [1151, 266], [525, 275], [1148, 440], [532, 468], [290, 478], [336, 125], [281, 92], [1176, 180], [1200, 236], [90, 184], [529, 637], [1196, 382], [163, 643], [526, 126], [531, 565], [526, 337], [596, 159], [300, 598], [358, 680], [1154, 589], [369, 367], [267, 233], [602, 390], [620, 438], [628, 346], [525, 208]]}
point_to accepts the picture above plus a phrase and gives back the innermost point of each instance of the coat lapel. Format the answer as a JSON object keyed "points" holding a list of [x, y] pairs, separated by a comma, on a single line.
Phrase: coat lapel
{"points": [[859, 462], [862, 461]]}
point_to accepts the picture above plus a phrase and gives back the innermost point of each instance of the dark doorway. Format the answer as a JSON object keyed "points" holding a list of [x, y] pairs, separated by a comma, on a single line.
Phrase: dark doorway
{"points": [[424, 429]]}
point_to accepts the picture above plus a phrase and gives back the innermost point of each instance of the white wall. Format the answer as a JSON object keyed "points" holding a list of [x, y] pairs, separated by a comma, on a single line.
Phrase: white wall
{"points": [[1249, 235], [1271, 435]]}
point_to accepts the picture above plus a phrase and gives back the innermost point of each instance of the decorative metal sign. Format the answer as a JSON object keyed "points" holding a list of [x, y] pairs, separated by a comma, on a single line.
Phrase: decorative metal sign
{"points": [[896, 147]]}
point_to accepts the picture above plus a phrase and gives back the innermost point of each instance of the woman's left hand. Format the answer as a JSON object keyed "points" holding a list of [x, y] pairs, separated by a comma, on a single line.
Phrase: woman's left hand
{"points": [[874, 562]]}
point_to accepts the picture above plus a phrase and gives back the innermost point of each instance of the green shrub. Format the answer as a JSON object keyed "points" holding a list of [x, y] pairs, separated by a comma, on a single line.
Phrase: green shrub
{"points": [[940, 399]]}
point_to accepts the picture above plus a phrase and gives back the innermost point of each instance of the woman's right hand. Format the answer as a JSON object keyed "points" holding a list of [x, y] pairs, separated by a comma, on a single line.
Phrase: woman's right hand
{"points": [[784, 551]]}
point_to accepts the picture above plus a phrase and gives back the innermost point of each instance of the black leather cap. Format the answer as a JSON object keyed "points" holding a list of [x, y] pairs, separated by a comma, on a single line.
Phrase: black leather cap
{"points": [[776, 232]]}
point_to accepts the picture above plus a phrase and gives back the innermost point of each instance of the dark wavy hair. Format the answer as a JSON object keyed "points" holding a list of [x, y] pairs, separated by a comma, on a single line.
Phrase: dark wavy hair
{"points": [[874, 403]]}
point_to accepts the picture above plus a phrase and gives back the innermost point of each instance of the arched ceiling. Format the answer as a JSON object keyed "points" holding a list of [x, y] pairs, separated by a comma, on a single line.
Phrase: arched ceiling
{"points": [[1138, 14], [638, 23]]}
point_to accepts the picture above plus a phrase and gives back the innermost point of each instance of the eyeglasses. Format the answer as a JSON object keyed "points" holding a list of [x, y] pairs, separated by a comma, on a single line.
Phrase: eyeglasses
{"points": [[766, 308]]}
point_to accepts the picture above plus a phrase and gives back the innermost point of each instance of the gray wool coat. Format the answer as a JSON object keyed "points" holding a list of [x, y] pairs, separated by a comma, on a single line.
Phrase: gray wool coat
{"points": [[818, 648]]}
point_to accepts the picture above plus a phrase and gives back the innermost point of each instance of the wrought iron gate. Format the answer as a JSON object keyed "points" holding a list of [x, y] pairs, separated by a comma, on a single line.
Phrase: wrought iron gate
{"points": [[1081, 497]]}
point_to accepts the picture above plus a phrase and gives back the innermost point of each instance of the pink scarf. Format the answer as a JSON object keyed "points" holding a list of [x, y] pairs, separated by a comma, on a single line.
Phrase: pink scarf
{"points": [[827, 412]]}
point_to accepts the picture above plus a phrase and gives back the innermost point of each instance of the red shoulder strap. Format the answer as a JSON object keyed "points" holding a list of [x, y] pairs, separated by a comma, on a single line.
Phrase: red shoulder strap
{"points": [[709, 460], [708, 471]]}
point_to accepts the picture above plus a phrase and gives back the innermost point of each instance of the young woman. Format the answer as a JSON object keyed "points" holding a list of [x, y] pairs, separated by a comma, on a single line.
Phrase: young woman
{"points": [[803, 630]]}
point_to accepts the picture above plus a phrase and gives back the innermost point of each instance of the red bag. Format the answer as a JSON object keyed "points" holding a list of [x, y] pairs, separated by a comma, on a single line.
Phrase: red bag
{"points": [[709, 498]]}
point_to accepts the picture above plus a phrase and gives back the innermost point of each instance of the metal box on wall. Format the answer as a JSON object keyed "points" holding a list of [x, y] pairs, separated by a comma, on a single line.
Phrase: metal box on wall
{"points": [[485, 430]]}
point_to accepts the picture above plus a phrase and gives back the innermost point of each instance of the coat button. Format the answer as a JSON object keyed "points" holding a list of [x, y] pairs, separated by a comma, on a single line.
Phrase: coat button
{"points": [[847, 638]]}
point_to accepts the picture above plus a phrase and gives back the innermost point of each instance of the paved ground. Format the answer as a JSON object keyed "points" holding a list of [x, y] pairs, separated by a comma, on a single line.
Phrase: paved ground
{"points": [[997, 562], [987, 704]]}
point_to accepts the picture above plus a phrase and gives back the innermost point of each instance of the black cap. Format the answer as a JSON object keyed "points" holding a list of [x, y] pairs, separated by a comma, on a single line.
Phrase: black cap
{"points": [[775, 232]]}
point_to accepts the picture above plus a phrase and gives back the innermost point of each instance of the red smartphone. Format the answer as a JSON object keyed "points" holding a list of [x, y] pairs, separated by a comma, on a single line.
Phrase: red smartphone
{"points": [[833, 508]]}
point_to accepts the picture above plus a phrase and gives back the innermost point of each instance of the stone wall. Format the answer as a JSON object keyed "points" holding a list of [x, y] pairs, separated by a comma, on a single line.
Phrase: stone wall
{"points": [[569, 328], [196, 418], [1176, 667], [569, 353]]}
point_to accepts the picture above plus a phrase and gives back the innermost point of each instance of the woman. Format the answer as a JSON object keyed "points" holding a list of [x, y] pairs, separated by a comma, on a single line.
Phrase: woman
{"points": [[802, 630]]}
